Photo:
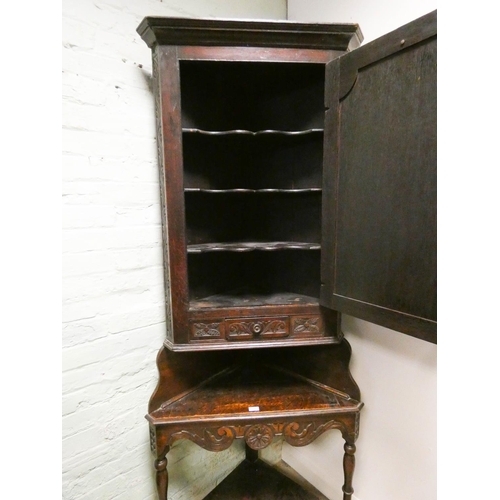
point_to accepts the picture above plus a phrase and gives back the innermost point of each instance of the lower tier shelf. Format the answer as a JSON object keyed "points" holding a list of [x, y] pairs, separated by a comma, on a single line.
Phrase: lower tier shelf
{"points": [[245, 298], [271, 277], [254, 390], [215, 398], [259, 481]]}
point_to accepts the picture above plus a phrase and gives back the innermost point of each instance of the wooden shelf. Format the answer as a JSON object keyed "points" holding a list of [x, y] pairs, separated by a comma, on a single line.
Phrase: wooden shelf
{"points": [[252, 246], [260, 481], [254, 160], [253, 389], [257, 191], [251, 132], [246, 298]]}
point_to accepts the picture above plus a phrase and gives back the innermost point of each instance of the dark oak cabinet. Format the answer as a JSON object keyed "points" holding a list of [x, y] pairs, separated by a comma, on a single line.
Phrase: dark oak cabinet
{"points": [[298, 179], [298, 182]]}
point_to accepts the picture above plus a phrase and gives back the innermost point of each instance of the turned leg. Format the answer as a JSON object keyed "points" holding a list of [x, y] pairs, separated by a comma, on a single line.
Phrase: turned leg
{"points": [[349, 462], [162, 475], [251, 455]]}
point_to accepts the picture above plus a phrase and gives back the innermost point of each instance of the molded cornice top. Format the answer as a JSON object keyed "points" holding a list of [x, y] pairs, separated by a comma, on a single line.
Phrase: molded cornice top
{"points": [[261, 33]]}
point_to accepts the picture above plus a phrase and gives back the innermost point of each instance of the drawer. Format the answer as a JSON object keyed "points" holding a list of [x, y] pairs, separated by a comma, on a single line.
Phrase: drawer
{"points": [[257, 328], [260, 328]]}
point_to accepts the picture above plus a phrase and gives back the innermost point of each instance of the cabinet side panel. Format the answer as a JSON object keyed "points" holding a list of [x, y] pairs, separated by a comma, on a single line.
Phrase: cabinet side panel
{"points": [[382, 260], [169, 140]]}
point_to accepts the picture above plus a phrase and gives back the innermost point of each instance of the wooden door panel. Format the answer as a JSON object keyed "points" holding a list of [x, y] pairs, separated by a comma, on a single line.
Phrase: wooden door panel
{"points": [[379, 208]]}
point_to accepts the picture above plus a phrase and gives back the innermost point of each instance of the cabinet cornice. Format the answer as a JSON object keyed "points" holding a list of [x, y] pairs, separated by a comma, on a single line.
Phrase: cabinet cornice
{"points": [[221, 32]]}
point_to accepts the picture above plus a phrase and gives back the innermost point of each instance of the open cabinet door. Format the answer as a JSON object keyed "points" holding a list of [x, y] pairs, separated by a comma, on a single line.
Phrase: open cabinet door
{"points": [[379, 191]]}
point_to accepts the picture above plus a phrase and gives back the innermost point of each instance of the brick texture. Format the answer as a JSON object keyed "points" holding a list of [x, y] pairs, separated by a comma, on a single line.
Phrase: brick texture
{"points": [[113, 313]]}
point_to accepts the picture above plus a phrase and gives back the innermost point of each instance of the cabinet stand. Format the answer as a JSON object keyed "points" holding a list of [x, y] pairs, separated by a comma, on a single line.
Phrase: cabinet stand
{"points": [[255, 397]]}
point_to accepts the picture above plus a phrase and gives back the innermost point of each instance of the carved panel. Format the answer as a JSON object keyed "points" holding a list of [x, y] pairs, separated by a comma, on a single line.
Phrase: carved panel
{"points": [[152, 439], [307, 325], [356, 427], [243, 329], [207, 330], [301, 434], [261, 435], [210, 439], [161, 166]]}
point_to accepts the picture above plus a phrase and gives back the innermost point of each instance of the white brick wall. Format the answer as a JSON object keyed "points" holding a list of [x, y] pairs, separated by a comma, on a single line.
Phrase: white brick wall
{"points": [[113, 313]]}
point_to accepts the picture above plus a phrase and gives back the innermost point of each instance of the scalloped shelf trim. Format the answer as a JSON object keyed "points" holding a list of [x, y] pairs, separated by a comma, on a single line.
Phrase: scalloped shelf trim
{"points": [[244, 190], [250, 246], [252, 133]]}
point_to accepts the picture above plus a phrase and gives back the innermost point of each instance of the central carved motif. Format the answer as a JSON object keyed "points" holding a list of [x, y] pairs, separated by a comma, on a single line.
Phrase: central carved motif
{"points": [[259, 436], [263, 327]]}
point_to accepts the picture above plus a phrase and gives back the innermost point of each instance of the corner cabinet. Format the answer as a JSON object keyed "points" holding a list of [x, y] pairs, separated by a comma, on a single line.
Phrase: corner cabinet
{"points": [[297, 177], [298, 182]]}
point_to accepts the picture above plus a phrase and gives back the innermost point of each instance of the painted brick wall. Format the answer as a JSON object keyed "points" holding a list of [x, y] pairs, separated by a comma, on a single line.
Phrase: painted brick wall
{"points": [[113, 301]]}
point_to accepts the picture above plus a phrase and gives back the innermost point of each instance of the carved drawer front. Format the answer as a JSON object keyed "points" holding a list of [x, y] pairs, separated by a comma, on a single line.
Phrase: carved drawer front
{"points": [[257, 328], [207, 330]]}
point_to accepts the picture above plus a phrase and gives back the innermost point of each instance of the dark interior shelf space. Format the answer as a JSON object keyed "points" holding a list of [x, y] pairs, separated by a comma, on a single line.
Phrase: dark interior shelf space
{"points": [[262, 217], [265, 161], [260, 481], [254, 278], [252, 181], [284, 96]]}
